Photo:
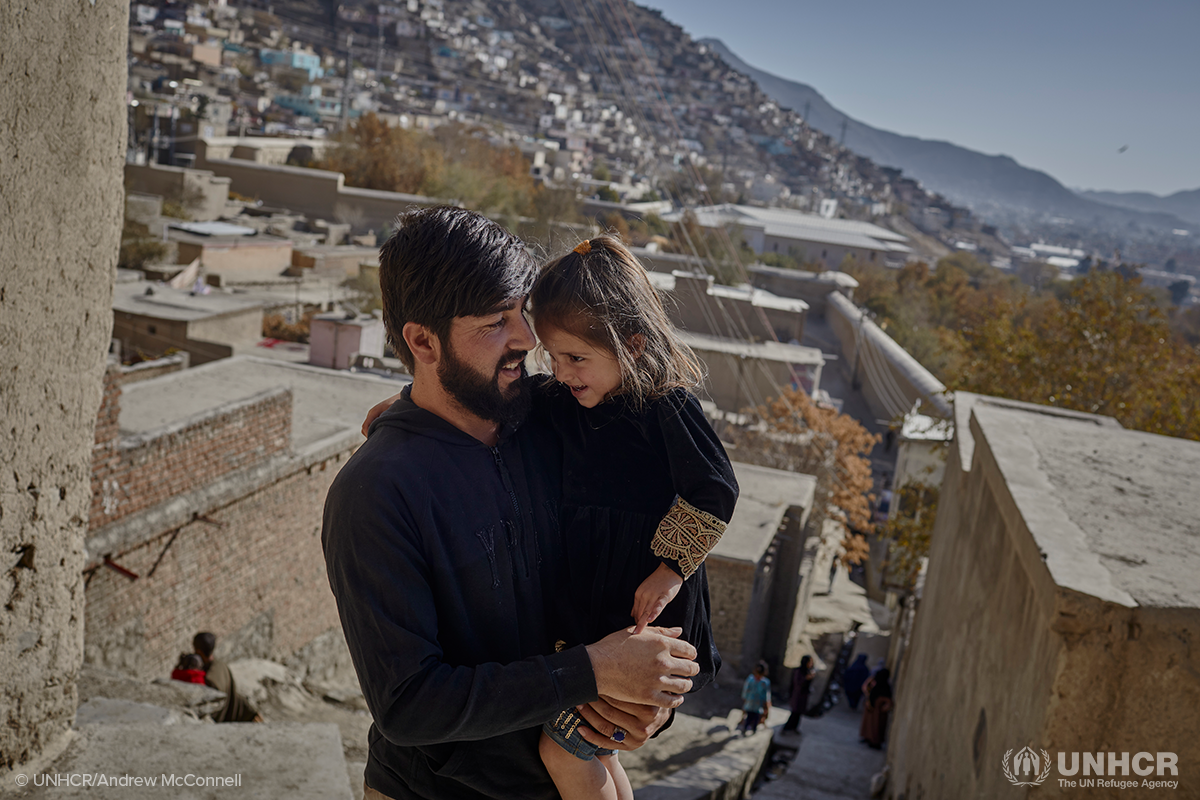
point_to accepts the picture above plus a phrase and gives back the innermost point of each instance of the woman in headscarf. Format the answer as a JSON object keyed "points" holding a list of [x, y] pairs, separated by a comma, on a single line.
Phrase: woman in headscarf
{"points": [[852, 680], [878, 690], [802, 678]]}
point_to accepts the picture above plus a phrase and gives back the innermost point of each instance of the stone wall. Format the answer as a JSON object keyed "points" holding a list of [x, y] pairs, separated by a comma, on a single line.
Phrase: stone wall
{"points": [[731, 593], [61, 153], [982, 644]]}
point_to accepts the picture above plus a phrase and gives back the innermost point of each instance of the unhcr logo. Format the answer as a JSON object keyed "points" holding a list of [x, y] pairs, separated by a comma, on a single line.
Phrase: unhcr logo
{"points": [[1027, 763], [1031, 767]]}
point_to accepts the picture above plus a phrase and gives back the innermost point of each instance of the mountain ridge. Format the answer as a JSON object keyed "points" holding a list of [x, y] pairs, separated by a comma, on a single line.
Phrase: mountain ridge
{"points": [[993, 185], [1183, 204]]}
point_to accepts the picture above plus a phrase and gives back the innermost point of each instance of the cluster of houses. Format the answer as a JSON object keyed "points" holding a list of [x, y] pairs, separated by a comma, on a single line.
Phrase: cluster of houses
{"points": [[585, 100]]}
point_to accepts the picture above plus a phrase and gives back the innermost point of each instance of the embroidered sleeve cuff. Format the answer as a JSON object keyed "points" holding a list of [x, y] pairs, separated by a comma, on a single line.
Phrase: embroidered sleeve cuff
{"points": [[686, 535]]}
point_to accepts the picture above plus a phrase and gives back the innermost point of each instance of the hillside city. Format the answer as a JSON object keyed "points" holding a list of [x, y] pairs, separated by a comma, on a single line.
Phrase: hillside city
{"points": [[964, 424], [626, 97]]}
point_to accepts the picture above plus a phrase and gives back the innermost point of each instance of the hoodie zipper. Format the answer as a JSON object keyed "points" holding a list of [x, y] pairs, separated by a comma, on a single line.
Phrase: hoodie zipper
{"points": [[505, 478]]}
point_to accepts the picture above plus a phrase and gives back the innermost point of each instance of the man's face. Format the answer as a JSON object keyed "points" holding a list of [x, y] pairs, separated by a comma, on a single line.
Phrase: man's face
{"points": [[483, 360]]}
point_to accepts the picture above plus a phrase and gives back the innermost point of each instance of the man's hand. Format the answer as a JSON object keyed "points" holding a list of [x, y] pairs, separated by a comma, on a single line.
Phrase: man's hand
{"points": [[653, 595], [650, 668], [376, 410], [607, 714]]}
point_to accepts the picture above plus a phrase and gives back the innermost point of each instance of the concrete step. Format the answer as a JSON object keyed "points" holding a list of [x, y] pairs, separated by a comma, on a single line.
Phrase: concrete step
{"points": [[296, 761]]}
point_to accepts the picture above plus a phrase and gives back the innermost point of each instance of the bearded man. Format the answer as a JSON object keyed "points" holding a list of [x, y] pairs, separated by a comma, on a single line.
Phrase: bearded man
{"points": [[441, 542]]}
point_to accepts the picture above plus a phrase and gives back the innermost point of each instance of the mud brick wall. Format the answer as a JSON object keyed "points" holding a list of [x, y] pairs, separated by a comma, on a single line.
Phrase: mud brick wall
{"points": [[252, 572], [134, 473]]}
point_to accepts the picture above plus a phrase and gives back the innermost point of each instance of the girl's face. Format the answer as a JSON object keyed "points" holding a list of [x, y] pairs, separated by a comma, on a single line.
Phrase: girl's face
{"points": [[591, 373]]}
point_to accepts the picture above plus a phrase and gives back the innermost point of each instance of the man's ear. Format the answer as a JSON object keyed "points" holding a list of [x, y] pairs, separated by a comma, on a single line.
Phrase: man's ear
{"points": [[426, 348], [637, 344]]}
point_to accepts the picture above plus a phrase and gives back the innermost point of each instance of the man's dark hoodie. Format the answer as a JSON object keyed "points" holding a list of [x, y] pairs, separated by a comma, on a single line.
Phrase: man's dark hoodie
{"points": [[435, 545]]}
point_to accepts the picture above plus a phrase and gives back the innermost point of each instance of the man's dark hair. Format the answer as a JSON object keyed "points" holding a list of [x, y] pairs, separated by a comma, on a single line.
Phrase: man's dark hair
{"points": [[204, 643], [446, 262]]}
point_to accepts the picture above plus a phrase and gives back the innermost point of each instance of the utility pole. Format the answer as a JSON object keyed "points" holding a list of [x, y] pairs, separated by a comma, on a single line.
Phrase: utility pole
{"points": [[349, 80], [379, 52], [807, 103], [842, 139]]}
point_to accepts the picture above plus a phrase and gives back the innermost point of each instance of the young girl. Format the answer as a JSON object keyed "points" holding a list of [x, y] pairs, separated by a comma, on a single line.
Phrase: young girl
{"points": [[647, 487], [756, 699]]}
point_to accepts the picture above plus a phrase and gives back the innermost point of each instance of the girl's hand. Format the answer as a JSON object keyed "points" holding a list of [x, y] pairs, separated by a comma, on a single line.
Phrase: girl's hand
{"points": [[376, 410], [653, 595]]}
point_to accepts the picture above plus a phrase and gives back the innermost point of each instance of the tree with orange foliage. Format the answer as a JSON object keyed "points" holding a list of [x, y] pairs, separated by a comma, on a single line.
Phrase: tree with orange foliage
{"points": [[457, 162], [797, 435], [1105, 348], [375, 155]]}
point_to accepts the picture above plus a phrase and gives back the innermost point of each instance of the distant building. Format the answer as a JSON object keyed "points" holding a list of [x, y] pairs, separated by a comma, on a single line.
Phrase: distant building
{"points": [[152, 318], [335, 341], [742, 374], [701, 305], [311, 103], [296, 59], [812, 287], [810, 238]]}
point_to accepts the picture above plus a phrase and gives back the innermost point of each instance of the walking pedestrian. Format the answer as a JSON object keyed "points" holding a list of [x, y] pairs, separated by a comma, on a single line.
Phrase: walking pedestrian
{"points": [[852, 680], [756, 699], [878, 691], [802, 678]]}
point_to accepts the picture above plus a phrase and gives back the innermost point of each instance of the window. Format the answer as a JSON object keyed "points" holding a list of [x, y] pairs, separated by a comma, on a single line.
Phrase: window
{"points": [[151, 330]]}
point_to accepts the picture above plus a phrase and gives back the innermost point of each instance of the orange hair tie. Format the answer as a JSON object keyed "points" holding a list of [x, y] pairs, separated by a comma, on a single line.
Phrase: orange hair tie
{"points": [[584, 247]]}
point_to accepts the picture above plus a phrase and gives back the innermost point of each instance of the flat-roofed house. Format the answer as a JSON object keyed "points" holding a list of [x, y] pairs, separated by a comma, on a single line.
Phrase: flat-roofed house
{"points": [[811, 238], [153, 318], [755, 575]]}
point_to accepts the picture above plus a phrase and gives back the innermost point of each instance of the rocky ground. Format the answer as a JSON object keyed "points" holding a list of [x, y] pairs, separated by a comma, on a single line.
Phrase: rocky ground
{"points": [[316, 693]]}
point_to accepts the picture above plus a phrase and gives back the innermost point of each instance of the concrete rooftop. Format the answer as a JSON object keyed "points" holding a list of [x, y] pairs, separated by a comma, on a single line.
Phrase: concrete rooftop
{"points": [[176, 304], [325, 402], [1114, 510], [665, 282], [768, 351], [766, 494]]}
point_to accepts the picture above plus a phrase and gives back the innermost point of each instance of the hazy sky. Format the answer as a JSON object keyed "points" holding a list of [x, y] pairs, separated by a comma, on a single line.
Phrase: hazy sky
{"points": [[1059, 85]]}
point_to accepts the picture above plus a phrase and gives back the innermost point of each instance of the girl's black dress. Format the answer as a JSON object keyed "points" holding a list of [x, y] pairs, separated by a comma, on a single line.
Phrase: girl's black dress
{"points": [[624, 470]]}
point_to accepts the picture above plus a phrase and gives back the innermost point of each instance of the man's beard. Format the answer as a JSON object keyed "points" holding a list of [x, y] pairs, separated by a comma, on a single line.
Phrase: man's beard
{"points": [[480, 394]]}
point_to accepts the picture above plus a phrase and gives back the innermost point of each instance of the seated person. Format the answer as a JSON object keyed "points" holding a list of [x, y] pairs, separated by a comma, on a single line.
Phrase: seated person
{"points": [[218, 676], [190, 669]]}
